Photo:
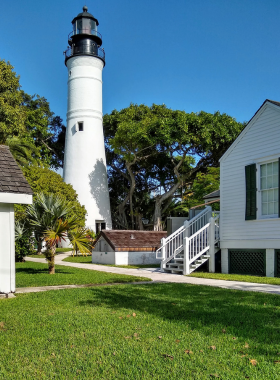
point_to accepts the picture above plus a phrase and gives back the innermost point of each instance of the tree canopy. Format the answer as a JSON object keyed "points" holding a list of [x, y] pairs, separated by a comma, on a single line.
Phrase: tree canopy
{"points": [[46, 181], [29, 119], [155, 151]]}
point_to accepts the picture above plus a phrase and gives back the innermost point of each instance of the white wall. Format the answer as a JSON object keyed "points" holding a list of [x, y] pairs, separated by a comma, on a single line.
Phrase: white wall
{"points": [[103, 246], [85, 161], [124, 258], [103, 257], [259, 142], [7, 248]]}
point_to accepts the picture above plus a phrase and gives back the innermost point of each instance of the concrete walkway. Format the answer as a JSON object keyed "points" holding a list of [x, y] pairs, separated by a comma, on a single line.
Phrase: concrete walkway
{"points": [[156, 275]]}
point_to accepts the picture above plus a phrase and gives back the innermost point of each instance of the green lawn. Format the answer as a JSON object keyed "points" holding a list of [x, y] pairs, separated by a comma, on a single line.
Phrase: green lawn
{"points": [[58, 250], [237, 277], [87, 260], [177, 331], [36, 274]]}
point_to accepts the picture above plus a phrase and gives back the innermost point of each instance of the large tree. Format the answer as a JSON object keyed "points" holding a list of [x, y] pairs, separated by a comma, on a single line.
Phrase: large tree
{"points": [[28, 121], [155, 151]]}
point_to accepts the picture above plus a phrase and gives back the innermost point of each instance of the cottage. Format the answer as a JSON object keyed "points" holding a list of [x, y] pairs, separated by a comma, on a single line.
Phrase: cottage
{"points": [[249, 194], [13, 189], [127, 247]]}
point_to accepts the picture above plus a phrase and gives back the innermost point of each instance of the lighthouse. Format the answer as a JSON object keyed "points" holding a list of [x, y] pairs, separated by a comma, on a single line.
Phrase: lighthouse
{"points": [[84, 160]]}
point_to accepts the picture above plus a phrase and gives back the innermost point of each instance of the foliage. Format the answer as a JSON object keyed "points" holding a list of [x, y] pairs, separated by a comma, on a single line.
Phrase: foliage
{"points": [[154, 331], [204, 183], [24, 242], [153, 152], [12, 113], [28, 120], [47, 217], [24, 152], [80, 240], [24, 246], [47, 181]]}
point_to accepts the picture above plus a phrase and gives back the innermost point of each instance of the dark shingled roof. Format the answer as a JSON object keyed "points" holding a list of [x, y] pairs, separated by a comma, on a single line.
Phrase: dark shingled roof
{"points": [[214, 194], [11, 177], [132, 238]]}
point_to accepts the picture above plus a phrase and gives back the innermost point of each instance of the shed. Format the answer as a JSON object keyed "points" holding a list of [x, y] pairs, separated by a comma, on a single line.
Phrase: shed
{"points": [[127, 247], [250, 214], [13, 189]]}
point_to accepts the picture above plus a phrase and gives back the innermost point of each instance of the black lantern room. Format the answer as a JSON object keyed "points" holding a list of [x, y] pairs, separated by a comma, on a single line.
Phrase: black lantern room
{"points": [[85, 39]]}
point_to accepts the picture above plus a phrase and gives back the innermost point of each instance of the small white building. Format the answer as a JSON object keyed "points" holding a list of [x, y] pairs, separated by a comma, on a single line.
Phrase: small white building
{"points": [[13, 189], [127, 247], [249, 194]]}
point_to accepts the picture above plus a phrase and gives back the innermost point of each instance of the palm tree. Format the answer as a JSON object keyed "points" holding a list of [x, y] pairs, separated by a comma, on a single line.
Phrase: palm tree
{"points": [[24, 152], [47, 217], [80, 240]]}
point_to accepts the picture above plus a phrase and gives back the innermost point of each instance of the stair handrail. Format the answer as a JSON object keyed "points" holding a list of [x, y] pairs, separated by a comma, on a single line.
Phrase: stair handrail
{"points": [[198, 243], [173, 244]]}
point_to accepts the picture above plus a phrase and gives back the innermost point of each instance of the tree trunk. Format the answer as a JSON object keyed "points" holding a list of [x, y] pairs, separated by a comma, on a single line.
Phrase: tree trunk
{"points": [[157, 214], [50, 254], [131, 191]]}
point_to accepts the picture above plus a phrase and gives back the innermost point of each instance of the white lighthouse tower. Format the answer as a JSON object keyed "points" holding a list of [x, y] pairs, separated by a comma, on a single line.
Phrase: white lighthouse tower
{"points": [[85, 161]]}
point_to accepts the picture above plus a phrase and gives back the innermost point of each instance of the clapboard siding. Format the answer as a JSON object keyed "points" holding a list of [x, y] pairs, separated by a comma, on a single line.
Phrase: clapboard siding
{"points": [[260, 139]]}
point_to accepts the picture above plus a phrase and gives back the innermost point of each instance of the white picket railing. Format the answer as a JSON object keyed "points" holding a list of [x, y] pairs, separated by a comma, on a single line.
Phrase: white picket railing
{"points": [[174, 243]]}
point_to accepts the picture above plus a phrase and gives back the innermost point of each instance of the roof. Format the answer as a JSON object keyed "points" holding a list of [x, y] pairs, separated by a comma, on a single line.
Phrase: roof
{"points": [[85, 14], [214, 194], [227, 152], [132, 238], [11, 179]]}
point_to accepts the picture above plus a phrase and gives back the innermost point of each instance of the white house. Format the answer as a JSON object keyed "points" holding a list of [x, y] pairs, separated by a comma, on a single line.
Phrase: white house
{"points": [[13, 189], [249, 195]]}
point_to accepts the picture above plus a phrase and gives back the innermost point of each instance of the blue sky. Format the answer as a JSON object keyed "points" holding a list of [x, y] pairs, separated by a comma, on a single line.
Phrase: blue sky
{"points": [[211, 55]]}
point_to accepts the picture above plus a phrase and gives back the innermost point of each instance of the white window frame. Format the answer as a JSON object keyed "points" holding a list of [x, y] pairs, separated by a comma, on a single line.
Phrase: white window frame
{"points": [[259, 162]]}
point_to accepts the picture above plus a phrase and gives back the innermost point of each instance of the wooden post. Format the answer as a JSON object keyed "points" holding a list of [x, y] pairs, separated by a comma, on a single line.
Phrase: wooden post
{"points": [[163, 253], [212, 245], [186, 256]]}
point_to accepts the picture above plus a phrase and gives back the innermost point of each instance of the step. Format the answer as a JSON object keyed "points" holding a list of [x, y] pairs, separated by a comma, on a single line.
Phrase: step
{"points": [[174, 264], [174, 271]]}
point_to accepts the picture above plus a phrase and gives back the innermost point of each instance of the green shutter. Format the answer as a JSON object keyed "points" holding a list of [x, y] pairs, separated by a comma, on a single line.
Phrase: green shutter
{"points": [[279, 187], [251, 193]]}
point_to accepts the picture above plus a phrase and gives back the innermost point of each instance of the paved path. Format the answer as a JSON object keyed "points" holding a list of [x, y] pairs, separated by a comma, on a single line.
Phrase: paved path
{"points": [[156, 275]]}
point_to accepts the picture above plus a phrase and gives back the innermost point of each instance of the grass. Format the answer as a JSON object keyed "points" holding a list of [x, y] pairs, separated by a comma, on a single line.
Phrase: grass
{"points": [[36, 274], [58, 250], [177, 331], [237, 277], [87, 260]]}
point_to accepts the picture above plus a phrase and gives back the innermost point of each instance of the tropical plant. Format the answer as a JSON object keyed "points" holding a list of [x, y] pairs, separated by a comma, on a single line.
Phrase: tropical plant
{"points": [[24, 242], [80, 241], [46, 216], [24, 152]]}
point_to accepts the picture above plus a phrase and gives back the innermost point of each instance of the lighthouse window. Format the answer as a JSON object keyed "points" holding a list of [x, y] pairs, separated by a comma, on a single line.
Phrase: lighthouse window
{"points": [[81, 126]]}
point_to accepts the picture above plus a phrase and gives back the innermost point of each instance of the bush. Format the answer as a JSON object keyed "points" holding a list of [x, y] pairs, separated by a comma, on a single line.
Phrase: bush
{"points": [[24, 246]]}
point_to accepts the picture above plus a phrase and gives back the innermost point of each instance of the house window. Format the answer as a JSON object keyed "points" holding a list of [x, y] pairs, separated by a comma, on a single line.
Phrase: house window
{"points": [[81, 126], [269, 189]]}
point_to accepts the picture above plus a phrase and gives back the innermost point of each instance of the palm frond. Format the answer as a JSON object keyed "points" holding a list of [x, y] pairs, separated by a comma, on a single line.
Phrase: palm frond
{"points": [[24, 152]]}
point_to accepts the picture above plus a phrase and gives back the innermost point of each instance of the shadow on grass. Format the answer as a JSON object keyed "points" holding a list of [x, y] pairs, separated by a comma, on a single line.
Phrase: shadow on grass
{"points": [[244, 315], [29, 270]]}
